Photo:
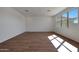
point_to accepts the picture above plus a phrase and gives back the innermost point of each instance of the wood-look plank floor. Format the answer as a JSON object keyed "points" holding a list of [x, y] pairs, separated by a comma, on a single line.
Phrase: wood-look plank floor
{"points": [[28, 42], [71, 41]]}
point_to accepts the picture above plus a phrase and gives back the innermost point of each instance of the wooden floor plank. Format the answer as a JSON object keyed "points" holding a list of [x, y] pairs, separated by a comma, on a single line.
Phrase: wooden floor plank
{"points": [[29, 42]]}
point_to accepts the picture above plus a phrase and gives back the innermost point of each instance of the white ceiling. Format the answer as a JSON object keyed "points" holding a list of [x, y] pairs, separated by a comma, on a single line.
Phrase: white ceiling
{"points": [[39, 11]]}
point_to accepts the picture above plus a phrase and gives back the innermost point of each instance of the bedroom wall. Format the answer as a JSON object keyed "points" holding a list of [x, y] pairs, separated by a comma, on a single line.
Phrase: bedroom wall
{"points": [[12, 23], [40, 24]]}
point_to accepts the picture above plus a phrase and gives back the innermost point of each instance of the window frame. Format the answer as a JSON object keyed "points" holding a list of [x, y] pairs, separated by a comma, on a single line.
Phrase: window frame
{"points": [[67, 10], [67, 25], [77, 14]]}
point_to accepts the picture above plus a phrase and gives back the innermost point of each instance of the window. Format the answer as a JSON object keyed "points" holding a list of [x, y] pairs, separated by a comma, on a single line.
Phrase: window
{"points": [[64, 19], [73, 16], [58, 21], [69, 17]]}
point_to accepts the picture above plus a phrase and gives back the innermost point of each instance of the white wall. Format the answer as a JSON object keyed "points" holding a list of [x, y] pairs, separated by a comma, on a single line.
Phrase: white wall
{"points": [[12, 23], [72, 32], [39, 24]]}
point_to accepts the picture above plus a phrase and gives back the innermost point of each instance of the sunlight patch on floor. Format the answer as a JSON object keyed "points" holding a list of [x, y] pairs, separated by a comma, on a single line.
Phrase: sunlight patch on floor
{"points": [[63, 49], [59, 39], [71, 47], [54, 36], [55, 43], [61, 45], [50, 37]]}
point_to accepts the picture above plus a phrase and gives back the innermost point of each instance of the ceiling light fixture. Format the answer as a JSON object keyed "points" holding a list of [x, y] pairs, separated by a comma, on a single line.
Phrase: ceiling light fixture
{"points": [[48, 10], [26, 10]]}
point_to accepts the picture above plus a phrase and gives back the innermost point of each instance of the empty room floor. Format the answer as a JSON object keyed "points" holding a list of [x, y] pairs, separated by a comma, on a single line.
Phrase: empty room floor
{"points": [[39, 42], [29, 42]]}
